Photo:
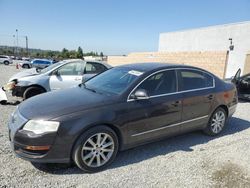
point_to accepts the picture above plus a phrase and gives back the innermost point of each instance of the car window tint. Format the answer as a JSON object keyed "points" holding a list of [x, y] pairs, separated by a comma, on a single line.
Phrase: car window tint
{"points": [[90, 68], [71, 69], [94, 68], [160, 83], [194, 79]]}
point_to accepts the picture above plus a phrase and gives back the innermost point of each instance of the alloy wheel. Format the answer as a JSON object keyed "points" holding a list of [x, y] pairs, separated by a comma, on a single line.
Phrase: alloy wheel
{"points": [[97, 150], [218, 121]]}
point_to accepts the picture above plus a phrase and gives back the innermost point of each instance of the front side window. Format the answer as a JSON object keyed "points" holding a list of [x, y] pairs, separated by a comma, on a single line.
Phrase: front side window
{"points": [[74, 69], [160, 83], [194, 79]]}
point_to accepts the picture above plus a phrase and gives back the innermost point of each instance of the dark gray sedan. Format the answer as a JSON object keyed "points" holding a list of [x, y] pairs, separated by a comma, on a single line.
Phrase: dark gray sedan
{"points": [[119, 109]]}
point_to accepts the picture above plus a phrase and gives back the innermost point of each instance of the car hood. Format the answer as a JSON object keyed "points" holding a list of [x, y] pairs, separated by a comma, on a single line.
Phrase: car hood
{"points": [[24, 73], [58, 103]]}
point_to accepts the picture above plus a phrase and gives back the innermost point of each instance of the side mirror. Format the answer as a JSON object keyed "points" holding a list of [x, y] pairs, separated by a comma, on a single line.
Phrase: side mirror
{"points": [[140, 94], [56, 73]]}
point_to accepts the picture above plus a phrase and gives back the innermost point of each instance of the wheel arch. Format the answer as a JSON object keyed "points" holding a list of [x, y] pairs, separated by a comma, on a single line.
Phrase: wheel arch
{"points": [[224, 107], [111, 126], [36, 85]]}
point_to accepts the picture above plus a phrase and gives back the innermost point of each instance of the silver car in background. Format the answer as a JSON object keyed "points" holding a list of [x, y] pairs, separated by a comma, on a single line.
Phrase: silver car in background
{"points": [[5, 59], [64, 74]]}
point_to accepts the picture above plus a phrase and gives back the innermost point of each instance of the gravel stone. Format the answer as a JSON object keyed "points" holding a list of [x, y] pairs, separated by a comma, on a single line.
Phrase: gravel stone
{"points": [[190, 160]]}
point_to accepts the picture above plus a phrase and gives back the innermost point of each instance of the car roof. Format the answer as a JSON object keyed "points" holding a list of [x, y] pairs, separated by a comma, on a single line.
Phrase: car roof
{"points": [[93, 61], [41, 60], [154, 66]]}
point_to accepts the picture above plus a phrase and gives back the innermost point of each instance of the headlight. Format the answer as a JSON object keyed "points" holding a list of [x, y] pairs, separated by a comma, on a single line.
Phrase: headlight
{"points": [[40, 126], [9, 86]]}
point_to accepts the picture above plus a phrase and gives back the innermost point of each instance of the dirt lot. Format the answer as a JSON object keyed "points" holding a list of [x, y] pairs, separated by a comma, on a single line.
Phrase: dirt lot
{"points": [[191, 160]]}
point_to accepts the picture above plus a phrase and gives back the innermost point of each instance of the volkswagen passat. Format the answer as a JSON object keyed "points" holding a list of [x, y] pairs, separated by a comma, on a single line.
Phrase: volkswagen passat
{"points": [[119, 109]]}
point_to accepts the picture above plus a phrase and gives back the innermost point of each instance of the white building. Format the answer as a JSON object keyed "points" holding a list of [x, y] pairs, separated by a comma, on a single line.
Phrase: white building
{"points": [[213, 38]]}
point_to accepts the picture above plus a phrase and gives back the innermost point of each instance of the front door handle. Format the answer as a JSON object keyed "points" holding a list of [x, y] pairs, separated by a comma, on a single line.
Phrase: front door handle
{"points": [[176, 103], [77, 79]]}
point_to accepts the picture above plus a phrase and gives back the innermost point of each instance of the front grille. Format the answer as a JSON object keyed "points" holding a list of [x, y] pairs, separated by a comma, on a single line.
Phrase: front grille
{"points": [[15, 123]]}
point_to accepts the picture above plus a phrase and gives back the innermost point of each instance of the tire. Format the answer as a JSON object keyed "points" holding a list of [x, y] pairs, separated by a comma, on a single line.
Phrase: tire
{"points": [[26, 66], [32, 91], [216, 122], [6, 62], [87, 159]]}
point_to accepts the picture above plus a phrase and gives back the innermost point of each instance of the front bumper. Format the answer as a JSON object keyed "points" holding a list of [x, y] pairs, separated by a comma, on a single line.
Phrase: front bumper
{"points": [[25, 143]]}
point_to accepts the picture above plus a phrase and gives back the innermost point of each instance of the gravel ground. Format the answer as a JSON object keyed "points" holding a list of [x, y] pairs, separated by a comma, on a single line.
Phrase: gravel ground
{"points": [[191, 160]]}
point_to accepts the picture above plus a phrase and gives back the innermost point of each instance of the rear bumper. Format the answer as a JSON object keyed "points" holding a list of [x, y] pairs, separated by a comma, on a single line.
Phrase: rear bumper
{"points": [[232, 109]]}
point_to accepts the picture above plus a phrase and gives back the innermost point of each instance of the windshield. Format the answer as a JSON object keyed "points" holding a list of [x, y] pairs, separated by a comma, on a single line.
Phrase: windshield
{"points": [[51, 67], [114, 81]]}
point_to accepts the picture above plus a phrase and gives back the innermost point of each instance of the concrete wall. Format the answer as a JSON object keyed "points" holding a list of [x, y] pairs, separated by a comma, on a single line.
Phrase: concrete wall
{"points": [[215, 62], [214, 38], [247, 64]]}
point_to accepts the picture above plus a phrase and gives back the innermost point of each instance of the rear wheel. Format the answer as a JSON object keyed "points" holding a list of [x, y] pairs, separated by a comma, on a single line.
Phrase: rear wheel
{"points": [[95, 149], [6, 62], [217, 122], [32, 91]]}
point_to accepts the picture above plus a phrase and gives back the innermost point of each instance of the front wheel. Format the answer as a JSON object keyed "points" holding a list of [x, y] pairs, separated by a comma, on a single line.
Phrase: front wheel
{"points": [[217, 122], [32, 91], [95, 149], [6, 62]]}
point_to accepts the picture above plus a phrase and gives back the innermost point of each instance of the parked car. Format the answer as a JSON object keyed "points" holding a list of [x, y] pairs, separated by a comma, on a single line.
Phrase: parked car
{"points": [[41, 63], [5, 59], [121, 108], [242, 84], [26, 64], [64, 74]]}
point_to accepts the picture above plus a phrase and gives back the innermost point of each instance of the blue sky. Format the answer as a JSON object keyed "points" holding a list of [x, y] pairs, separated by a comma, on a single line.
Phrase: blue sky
{"points": [[112, 26]]}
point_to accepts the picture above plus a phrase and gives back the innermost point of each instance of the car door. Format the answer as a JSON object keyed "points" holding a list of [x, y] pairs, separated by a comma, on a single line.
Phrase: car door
{"points": [[93, 68], [67, 76], [161, 111], [197, 88], [244, 86]]}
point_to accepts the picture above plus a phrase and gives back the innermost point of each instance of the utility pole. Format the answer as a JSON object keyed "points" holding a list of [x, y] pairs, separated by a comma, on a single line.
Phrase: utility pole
{"points": [[17, 42], [27, 47], [14, 45]]}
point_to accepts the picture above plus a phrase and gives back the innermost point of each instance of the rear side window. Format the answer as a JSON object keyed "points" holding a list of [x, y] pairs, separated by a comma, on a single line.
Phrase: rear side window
{"points": [[194, 79], [160, 83], [94, 68]]}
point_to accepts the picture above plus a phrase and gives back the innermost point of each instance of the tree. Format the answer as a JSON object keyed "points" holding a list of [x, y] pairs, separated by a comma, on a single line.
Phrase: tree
{"points": [[65, 53], [79, 52], [101, 54]]}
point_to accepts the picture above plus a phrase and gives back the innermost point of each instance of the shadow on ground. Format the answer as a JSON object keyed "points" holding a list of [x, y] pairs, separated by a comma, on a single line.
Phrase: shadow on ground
{"points": [[166, 146]]}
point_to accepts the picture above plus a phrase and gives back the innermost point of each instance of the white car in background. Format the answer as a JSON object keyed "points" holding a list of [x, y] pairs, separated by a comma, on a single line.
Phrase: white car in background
{"points": [[64, 74], [5, 59]]}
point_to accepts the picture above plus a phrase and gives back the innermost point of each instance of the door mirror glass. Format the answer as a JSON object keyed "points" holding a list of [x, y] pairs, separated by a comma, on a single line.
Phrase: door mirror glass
{"points": [[140, 94]]}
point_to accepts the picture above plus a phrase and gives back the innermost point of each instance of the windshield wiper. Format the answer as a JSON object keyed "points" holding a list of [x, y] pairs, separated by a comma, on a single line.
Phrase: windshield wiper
{"points": [[90, 89]]}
